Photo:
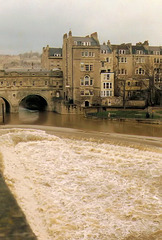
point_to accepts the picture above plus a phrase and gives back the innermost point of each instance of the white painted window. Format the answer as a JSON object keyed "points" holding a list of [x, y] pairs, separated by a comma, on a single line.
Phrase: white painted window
{"points": [[82, 66], [139, 52], [122, 60], [107, 85], [157, 60], [156, 52], [122, 51], [106, 93], [88, 67], [140, 71], [140, 60], [86, 81], [106, 76], [88, 54]]}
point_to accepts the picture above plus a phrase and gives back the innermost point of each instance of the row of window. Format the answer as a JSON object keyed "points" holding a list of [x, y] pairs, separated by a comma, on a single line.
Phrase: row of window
{"points": [[57, 55], [122, 59], [107, 85], [106, 93], [138, 71], [80, 43], [157, 60], [158, 80], [156, 52], [86, 67], [87, 81], [89, 67], [106, 76], [88, 54], [140, 60], [105, 51], [157, 70], [9, 84], [14, 83], [86, 92], [139, 52], [122, 71]]}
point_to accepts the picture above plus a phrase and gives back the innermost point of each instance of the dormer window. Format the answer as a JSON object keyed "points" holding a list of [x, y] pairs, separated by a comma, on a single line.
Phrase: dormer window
{"points": [[122, 51], [79, 43], [139, 52], [86, 43], [156, 52], [104, 51], [56, 55]]}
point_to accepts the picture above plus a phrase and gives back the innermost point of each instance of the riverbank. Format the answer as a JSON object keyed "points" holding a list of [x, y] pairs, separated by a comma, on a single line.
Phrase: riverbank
{"points": [[148, 116]]}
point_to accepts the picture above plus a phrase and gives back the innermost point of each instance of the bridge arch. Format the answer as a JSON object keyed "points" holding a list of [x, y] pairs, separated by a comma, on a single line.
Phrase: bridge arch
{"points": [[7, 104], [34, 102]]}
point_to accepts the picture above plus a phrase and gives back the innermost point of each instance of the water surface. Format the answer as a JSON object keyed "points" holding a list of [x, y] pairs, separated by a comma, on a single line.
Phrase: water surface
{"points": [[80, 122]]}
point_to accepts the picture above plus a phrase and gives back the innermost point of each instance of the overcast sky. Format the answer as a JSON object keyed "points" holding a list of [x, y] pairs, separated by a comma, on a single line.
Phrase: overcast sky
{"points": [[27, 25]]}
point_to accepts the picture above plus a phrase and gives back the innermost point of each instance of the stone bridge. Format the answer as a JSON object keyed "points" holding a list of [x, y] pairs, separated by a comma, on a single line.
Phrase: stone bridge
{"points": [[32, 89]]}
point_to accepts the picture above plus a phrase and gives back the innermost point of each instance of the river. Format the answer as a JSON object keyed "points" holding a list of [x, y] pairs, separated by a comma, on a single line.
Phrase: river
{"points": [[80, 122], [83, 188]]}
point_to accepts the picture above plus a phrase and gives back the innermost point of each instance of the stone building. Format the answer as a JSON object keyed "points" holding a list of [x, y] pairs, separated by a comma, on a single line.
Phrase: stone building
{"points": [[81, 62], [51, 58], [136, 70], [19, 87]]}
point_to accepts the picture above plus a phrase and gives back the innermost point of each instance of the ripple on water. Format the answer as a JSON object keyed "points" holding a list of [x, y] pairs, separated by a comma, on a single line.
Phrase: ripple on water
{"points": [[75, 189]]}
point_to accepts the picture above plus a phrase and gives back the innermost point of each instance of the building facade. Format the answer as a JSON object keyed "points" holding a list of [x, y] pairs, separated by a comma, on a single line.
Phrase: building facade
{"points": [[135, 70]]}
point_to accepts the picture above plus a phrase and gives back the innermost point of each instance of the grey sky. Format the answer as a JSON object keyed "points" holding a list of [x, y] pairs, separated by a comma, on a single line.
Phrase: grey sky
{"points": [[32, 24]]}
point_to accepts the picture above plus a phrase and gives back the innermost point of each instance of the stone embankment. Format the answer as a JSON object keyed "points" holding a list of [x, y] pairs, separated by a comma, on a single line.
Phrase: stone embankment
{"points": [[13, 224]]}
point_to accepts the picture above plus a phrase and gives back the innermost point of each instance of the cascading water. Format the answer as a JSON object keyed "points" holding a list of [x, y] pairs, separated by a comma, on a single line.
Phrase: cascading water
{"points": [[83, 189]]}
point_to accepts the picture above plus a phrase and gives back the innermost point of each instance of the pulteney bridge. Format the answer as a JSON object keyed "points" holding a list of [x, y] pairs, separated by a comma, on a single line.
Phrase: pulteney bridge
{"points": [[34, 89]]}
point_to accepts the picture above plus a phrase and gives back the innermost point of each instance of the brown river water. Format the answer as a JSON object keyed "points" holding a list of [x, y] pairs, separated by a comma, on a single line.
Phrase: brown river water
{"points": [[80, 122]]}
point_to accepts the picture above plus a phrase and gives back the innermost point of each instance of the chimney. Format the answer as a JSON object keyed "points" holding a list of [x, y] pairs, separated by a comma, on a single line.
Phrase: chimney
{"points": [[108, 42], [95, 37], [70, 33], [65, 35]]}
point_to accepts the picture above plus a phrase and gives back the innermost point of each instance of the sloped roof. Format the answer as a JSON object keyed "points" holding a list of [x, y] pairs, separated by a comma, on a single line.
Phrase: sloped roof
{"points": [[155, 48], [53, 51], [86, 39], [106, 48], [139, 47]]}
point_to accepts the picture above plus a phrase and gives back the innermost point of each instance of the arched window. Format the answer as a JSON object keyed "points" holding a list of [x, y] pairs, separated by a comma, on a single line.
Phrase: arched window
{"points": [[86, 80]]}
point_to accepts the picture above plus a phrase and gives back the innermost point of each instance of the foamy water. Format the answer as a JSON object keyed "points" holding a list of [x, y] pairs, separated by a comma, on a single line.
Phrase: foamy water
{"points": [[75, 189]]}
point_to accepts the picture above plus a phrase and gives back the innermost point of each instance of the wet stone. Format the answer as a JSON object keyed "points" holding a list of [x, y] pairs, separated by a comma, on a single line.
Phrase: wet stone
{"points": [[13, 224]]}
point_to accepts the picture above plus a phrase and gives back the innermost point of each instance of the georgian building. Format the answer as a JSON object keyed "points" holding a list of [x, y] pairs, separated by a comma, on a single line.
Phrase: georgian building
{"points": [[51, 58], [134, 71], [81, 62]]}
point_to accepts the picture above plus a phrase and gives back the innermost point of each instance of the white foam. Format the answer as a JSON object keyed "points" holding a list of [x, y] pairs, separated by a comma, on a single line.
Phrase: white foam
{"points": [[71, 189]]}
